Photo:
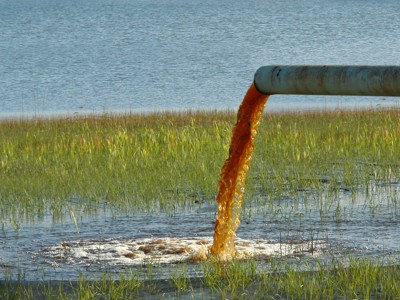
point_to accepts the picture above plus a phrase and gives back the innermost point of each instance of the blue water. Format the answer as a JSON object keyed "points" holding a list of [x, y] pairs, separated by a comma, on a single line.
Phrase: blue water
{"points": [[76, 57]]}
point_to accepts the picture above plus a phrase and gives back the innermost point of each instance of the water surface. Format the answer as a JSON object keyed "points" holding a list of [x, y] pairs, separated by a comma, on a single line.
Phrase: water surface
{"points": [[74, 57], [323, 226]]}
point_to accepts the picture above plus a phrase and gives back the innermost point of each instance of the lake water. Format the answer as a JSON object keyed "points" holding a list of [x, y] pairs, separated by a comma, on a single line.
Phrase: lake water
{"points": [[77, 57]]}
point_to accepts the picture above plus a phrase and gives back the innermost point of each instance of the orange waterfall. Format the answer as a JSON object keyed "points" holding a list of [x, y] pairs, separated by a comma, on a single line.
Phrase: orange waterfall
{"points": [[233, 174]]}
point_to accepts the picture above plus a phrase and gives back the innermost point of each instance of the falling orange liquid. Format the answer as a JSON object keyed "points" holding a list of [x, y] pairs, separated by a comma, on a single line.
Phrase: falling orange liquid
{"points": [[232, 181]]}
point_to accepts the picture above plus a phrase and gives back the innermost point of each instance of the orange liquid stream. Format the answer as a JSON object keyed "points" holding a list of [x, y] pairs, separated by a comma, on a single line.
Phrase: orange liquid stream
{"points": [[233, 174]]}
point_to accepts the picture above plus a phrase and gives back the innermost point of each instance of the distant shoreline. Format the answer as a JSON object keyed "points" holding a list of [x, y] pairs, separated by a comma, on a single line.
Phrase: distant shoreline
{"points": [[33, 116]]}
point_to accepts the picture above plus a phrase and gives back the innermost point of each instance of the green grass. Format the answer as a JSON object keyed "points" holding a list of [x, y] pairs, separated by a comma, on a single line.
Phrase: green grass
{"points": [[343, 148], [141, 162], [163, 162], [355, 279]]}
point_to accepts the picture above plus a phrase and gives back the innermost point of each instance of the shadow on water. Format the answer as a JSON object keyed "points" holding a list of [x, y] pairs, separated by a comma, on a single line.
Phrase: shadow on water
{"points": [[301, 229]]}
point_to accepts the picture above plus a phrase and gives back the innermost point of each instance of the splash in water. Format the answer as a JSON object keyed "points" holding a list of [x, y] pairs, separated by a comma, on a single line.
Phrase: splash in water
{"points": [[233, 174]]}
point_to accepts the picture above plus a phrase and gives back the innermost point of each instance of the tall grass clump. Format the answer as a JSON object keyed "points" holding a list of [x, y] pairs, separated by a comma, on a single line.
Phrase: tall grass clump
{"points": [[133, 162], [355, 279], [168, 161], [296, 151]]}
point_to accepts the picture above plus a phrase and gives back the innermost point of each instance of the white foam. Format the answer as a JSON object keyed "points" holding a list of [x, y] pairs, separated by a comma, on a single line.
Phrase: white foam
{"points": [[169, 250]]}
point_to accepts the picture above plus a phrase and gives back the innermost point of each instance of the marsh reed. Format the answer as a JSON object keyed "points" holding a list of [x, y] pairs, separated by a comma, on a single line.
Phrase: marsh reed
{"points": [[168, 161]]}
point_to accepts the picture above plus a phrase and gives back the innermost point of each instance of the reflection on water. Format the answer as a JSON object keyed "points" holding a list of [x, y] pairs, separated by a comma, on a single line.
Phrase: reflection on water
{"points": [[313, 225]]}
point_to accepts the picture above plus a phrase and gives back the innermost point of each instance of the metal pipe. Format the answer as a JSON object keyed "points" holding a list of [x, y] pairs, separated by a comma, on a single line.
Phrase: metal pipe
{"points": [[329, 80]]}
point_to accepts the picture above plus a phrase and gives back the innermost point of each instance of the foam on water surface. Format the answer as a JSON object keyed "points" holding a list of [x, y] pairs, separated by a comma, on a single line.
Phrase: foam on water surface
{"points": [[135, 252]]}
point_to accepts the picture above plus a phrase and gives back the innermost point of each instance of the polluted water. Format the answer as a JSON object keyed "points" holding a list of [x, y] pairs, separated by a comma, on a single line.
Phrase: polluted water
{"points": [[293, 230], [232, 182]]}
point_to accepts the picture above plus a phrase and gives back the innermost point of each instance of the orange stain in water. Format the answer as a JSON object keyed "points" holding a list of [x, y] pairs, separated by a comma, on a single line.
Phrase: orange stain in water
{"points": [[232, 180]]}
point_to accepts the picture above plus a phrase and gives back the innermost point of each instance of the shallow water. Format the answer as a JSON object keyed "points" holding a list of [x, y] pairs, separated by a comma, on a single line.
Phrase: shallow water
{"points": [[313, 226]]}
